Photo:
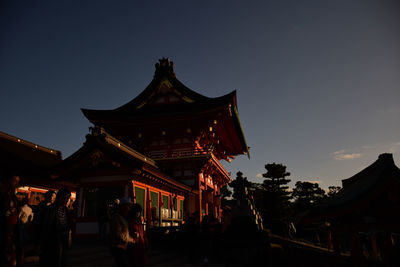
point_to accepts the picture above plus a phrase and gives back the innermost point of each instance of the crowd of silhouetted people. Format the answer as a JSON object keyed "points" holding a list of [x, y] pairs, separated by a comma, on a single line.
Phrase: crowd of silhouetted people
{"points": [[44, 229]]}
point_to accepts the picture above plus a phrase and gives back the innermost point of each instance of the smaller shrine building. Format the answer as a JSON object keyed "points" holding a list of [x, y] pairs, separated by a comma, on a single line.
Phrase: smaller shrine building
{"points": [[363, 217]]}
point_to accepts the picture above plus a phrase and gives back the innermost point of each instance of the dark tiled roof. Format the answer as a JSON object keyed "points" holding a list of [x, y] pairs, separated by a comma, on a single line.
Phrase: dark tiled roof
{"points": [[194, 105], [100, 140], [359, 187]]}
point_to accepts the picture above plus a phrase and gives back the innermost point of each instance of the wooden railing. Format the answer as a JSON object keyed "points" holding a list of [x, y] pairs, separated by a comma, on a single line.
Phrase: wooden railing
{"points": [[176, 153], [171, 214]]}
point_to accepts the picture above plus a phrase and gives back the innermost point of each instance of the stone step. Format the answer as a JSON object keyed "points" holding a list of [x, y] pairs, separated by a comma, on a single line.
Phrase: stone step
{"points": [[92, 257]]}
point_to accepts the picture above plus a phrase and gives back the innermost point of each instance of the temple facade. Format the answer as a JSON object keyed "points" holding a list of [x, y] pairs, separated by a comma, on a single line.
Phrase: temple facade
{"points": [[184, 133]]}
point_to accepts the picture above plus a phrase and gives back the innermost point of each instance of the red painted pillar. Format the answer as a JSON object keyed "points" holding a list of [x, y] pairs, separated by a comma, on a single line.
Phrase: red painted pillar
{"points": [[160, 204], [133, 192], [215, 206], [148, 208], [199, 197]]}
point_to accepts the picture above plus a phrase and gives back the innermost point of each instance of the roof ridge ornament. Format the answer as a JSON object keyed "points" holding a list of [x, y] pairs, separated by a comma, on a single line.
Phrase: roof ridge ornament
{"points": [[165, 66]]}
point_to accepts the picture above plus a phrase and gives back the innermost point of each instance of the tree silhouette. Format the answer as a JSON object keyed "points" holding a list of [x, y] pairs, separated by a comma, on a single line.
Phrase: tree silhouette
{"points": [[306, 194], [275, 181], [275, 194]]}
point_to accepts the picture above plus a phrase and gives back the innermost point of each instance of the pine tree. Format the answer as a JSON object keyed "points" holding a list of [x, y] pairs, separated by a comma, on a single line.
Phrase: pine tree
{"points": [[276, 194], [275, 181]]}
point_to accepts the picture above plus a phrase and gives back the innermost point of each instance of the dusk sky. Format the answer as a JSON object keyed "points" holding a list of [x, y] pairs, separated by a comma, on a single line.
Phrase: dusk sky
{"points": [[318, 82]]}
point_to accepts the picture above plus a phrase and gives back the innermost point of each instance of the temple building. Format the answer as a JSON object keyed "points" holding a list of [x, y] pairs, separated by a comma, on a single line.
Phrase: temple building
{"points": [[363, 217], [162, 149]]}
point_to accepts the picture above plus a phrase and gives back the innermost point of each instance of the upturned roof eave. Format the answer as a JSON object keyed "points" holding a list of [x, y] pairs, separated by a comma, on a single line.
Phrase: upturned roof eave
{"points": [[132, 106], [99, 117], [161, 111], [240, 132], [180, 111]]}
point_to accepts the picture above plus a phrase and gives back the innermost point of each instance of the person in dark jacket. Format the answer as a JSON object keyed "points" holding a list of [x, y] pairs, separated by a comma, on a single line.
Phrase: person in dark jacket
{"points": [[49, 198], [54, 231]]}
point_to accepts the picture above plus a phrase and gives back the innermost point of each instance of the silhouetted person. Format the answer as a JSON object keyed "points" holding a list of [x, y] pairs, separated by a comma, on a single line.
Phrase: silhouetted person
{"points": [[137, 250], [119, 233], [9, 219], [49, 198], [54, 233]]}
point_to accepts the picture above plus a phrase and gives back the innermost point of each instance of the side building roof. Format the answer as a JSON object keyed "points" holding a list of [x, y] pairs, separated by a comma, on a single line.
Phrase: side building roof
{"points": [[100, 147], [360, 187], [25, 157]]}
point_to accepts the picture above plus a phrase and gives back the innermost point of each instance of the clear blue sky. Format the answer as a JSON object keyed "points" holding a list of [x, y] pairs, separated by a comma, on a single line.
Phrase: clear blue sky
{"points": [[318, 81]]}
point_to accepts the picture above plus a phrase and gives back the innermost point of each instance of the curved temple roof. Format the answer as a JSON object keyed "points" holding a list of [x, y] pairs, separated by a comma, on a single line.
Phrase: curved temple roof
{"points": [[360, 187], [167, 96]]}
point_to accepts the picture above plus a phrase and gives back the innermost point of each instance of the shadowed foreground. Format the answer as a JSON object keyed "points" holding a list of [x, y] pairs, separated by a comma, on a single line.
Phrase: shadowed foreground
{"points": [[170, 251]]}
